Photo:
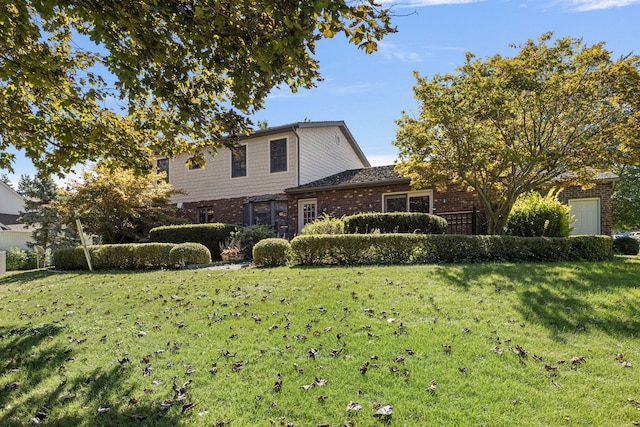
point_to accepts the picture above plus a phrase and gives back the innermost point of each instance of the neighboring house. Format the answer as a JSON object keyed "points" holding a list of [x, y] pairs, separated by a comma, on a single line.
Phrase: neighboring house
{"points": [[290, 175], [12, 233], [247, 186]]}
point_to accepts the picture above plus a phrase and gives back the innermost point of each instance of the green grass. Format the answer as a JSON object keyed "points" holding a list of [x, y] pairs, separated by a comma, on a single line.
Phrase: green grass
{"points": [[71, 343]]}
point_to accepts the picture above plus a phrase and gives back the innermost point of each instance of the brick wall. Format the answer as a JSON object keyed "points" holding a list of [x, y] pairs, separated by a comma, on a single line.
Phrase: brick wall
{"points": [[228, 211], [337, 203], [602, 191]]}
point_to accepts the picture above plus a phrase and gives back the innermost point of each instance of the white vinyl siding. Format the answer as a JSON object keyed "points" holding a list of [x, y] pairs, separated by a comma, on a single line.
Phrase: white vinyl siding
{"points": [[214, 181], [325, 151]]}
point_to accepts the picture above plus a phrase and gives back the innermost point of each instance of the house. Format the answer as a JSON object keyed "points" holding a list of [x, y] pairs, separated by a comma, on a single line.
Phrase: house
{"points": [[289, 175], [12, 233], [381, 189], [246, 186]]}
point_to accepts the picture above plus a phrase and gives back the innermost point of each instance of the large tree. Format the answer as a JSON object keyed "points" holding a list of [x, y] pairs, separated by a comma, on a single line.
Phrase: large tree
{"points": [[505, 125], [117, 205], [625, 204], [185, 72], [49, 230]]}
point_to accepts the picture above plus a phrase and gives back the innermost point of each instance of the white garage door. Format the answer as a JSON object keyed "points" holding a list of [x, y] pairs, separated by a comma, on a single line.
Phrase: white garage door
{"points": [[586, 214]]}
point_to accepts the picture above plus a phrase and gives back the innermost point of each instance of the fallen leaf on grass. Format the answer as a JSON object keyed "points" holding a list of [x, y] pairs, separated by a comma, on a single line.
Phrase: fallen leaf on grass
{"points": [[384, 413], [354, 406], [278, 384], [625, 364], [433, 387], [188, 406], [364, 367]]}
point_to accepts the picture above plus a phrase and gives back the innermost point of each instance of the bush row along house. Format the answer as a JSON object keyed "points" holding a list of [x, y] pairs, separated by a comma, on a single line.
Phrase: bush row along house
{"points": [[287, 176]]}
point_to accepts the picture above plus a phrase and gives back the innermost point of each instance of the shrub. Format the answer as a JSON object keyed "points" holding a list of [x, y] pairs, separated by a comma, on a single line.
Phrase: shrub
{"points": [[414, 248], [209, 235], [535, 216], [70, 259], [151, 255], [626, 246], [324, 225], [271, 252], [395, 222], [16, 259], [189, 253], [250, 235]]}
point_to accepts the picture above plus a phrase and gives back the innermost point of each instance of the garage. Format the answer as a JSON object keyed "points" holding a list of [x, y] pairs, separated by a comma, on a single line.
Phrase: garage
{"points": [[586, 215]]}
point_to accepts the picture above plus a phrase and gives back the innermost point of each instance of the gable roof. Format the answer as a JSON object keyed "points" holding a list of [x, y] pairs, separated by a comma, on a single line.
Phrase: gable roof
{"points": [[354, 178], [309, 125]]}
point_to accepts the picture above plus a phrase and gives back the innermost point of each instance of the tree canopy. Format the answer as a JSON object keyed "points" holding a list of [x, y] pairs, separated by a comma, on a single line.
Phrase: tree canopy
{"points": [[625, 203], [554, 114], [186, 72], [119, 206]]}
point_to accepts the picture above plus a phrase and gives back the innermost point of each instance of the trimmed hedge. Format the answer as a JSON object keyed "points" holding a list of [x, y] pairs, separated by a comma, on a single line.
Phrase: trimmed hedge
{"points": [[416, 248], [130, 256], [271, 252], [324, 225], [395, 222], [189, 253], [626, 246], [209, 235]]}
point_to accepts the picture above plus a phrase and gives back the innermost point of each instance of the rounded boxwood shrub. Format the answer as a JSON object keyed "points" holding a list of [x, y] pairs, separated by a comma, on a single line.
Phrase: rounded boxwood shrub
{"points": [[271, 252], [626, 246], [250, 236], [395, 222], [535, 216], [189, 253]]}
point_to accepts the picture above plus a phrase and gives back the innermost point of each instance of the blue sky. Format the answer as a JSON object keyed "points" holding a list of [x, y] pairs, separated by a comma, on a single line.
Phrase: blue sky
{"points": [[369, 92]]}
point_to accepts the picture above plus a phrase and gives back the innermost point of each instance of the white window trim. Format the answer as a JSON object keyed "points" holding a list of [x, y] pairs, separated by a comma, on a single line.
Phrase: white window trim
{"points": [[286, 143], [409, 195], [302, 202], [246, 162]]}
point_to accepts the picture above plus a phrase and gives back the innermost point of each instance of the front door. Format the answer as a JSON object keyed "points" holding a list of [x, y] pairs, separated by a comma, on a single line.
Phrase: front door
{"points": [[307, 212]]}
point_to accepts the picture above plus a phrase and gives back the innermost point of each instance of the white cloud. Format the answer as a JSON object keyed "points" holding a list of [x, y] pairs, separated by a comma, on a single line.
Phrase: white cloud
{"points": [[588, 5], [392, 52]]}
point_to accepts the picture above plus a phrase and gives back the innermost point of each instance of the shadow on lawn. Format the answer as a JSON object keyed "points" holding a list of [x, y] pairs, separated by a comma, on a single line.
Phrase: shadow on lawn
{"points": [[29, 364], [565, 297]]}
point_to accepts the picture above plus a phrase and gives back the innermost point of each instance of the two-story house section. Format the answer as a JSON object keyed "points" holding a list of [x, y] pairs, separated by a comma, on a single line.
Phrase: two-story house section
{"points": [[246, 186]]}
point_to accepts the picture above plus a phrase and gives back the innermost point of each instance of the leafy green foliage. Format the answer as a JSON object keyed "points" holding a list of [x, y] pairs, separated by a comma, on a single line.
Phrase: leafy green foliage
{"points": [[49, 228], [249, 236], [210, 235], [119, 349], [437, 248], [503, 126], [271, 252], [625, 200], [534, 216], [324, 225], [184, 73], [117, 205], [189, 253], [18, 259], [395, 222], [626, 246], [130, 256]]}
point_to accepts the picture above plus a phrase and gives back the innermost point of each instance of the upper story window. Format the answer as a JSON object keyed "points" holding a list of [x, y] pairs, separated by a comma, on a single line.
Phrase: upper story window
{"points": [[163, 166], [278, 155], [418, 201], [239, 161]]}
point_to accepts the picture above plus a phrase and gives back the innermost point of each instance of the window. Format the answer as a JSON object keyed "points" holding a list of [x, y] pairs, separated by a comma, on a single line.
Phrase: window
{"points": [[307, 212], [272, 213], [163, 166], [418, 201], [204, 215], [278, 155], [239, 161]]}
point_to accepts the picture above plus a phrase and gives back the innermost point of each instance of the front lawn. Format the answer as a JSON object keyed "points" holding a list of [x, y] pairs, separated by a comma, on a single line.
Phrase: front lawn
{"points": [[480, 344]]}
